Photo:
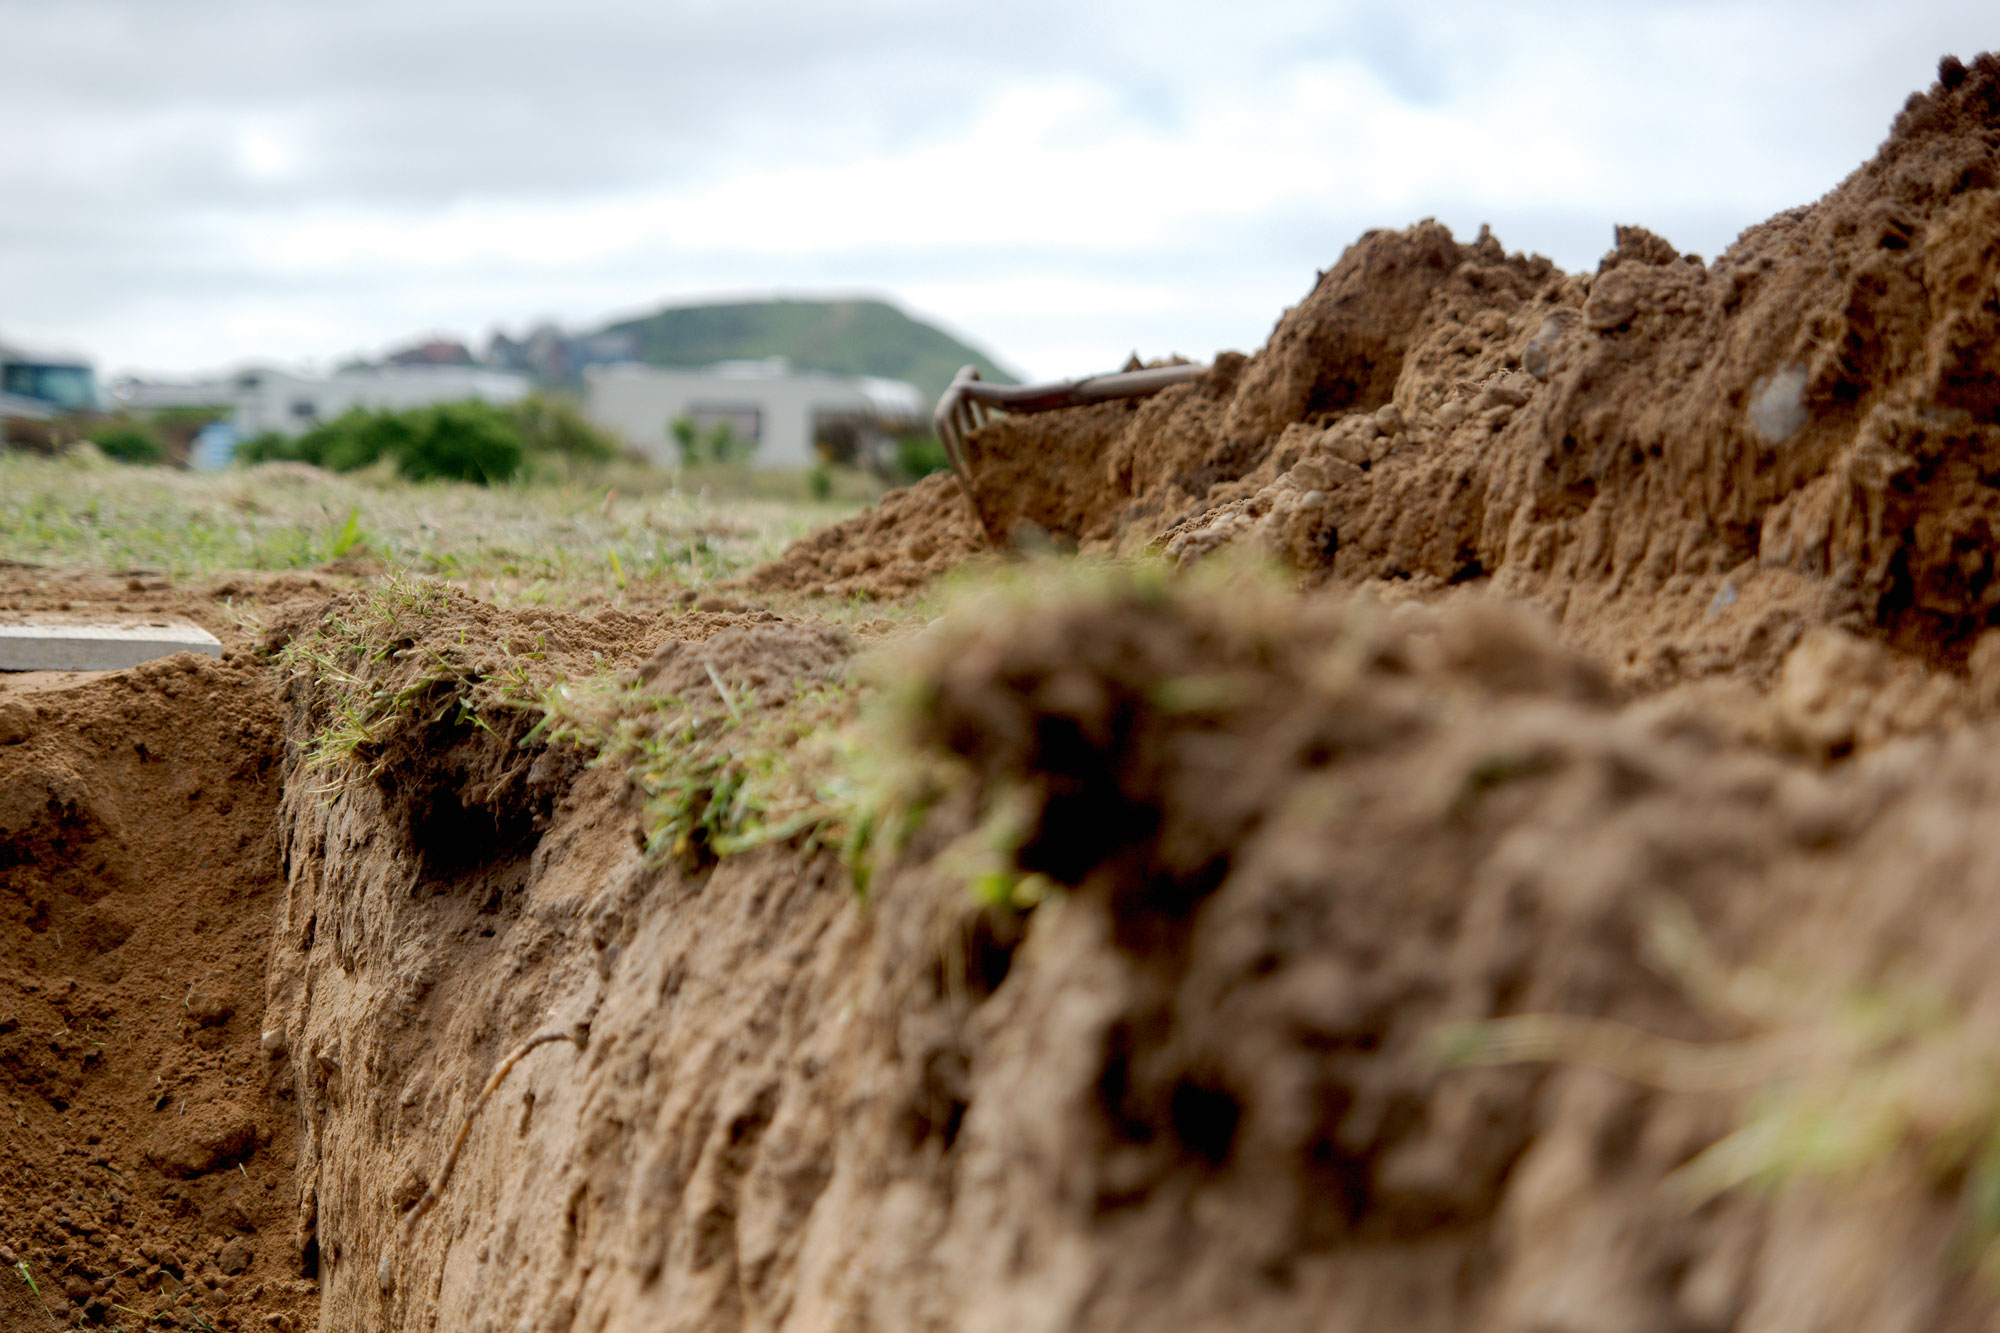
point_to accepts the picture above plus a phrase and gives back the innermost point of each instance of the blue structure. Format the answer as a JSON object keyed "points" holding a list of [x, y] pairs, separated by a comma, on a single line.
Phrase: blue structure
{"points": [[214, 447]]}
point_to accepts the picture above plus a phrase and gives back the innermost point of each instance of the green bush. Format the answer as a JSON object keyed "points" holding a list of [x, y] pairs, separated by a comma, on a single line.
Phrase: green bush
{"points": [[354, 439], [470, 441], [358, 438], [189, 418], [269, 447], [919, 455], [552, 425], [127, 441], [718, 444]]}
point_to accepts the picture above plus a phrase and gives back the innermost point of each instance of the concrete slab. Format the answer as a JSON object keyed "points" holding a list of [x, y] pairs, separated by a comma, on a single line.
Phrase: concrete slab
{"points": [[52, 645]]}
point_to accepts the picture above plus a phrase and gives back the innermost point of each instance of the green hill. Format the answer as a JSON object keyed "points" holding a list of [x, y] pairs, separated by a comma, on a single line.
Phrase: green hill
{"points": [[846, 337]]}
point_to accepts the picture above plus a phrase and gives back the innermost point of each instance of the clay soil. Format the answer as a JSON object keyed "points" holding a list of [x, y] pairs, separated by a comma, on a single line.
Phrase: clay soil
{"points": [[1495, 831]]}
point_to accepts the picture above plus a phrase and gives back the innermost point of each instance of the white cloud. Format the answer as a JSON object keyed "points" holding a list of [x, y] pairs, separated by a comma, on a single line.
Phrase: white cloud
{"points": [[222, 178]]}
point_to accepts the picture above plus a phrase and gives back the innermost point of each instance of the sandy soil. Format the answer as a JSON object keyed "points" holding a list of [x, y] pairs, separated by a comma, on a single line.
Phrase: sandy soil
{"points": [[1561, 899], [148, 1145]]}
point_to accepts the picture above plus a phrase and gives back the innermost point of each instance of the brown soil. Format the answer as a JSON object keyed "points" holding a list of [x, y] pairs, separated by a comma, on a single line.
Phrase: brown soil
{"points": [[147, 1143], [896, 547], [1568, 907], [233, 609]]}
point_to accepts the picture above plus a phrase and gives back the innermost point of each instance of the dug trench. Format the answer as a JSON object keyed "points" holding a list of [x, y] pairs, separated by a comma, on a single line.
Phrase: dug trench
{"points": [[1560, 899], [1351, 965]]}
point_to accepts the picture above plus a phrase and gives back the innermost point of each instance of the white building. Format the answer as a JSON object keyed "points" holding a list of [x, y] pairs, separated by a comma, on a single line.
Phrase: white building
{"points": [[783, 411], [31, 409], [263, 398]]}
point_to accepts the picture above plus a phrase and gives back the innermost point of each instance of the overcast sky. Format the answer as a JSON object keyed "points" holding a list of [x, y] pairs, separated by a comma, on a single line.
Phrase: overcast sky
{"points": [[188, 184]]}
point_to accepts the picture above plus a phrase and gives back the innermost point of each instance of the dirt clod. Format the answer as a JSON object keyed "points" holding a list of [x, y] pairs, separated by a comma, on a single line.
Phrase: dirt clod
{"points": [[234, 1257]]}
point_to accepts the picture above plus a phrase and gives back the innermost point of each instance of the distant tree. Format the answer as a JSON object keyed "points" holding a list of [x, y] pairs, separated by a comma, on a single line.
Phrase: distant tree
{"points": [[551, 424]]}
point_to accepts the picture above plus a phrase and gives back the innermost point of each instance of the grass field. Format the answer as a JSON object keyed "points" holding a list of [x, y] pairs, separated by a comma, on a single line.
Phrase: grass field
{"points": [[582, 541]]}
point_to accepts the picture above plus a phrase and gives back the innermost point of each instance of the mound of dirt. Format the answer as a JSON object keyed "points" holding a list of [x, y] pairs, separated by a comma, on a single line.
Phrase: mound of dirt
{"points": [[1686, 464], [897, 546], [147, 1141], [1301, 840]]}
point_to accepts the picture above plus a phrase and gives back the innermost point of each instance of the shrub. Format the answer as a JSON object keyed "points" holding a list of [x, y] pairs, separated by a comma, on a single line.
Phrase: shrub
{"points": [[127, 441], [552, 425], [469, 441], [356, 438], [718, 444], [269, 447], [920, 454], [188, 418]]}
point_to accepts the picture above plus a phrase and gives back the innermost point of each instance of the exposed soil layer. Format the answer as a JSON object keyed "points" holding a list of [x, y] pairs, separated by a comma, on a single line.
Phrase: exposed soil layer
{"points": [[1199, 1082], [147, 1143], [1208, 1093]]}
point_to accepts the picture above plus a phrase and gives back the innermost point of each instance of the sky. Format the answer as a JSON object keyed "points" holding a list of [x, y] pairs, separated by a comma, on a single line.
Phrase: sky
{"points": [[187, 185]]}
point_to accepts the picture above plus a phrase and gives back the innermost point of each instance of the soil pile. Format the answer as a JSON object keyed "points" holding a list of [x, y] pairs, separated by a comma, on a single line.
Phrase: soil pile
{"points": [[904, 542], [1686, 464], [147, 1143], [1797, 428], [1208, 1092]]}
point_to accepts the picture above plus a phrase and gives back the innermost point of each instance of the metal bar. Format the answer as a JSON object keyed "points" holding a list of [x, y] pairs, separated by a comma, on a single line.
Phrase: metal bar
{"points": [[962, 409]]}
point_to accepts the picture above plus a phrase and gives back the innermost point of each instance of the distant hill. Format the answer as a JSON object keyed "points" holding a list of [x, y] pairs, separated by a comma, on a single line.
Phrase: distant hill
{"points": [[846, 337]]}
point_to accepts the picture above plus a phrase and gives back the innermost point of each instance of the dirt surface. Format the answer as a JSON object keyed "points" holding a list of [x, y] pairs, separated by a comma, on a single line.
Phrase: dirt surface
{"points": [[1560, 899], [148, 1144], [888, 551], [233, 609], [1196, 1079], [1207, 1093]]}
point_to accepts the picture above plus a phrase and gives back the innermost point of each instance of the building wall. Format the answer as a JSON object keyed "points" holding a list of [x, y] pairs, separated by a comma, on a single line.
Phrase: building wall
{"points": [[266, 399], [27, 408], [639, 403]]}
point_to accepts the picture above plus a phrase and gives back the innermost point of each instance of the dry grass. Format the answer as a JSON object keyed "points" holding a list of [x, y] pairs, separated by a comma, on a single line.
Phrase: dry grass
{"points": [[584, 541]]}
